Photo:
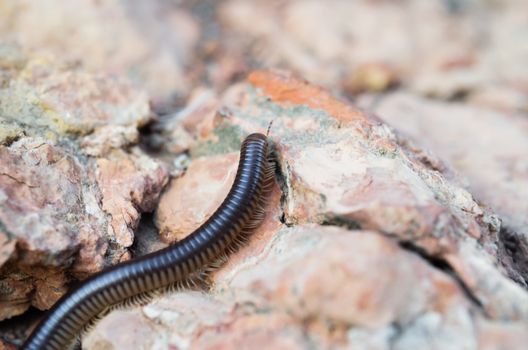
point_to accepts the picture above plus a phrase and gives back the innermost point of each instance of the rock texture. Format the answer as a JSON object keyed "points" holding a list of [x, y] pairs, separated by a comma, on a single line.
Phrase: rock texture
{"points": [[375, 238], [366, 244], [70, 196], [485, 147]]}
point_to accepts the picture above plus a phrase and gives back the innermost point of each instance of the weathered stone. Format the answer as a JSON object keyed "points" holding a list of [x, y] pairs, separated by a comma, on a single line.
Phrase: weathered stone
{"points": [[42, 96], [358, 270], [64, 214], [372, 182], [473, 140], [107, 138], [370, 241], [130, 184], [314, 286], [196, 119], [53, 210], [46, 203], [413, 263], [193, 198]]}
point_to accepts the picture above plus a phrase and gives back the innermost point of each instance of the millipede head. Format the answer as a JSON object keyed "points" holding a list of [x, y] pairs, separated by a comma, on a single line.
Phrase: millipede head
{"points": [[256, 136]]}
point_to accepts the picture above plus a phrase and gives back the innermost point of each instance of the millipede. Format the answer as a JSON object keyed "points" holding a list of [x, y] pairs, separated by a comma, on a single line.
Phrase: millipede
{"points": [[240, 212]]}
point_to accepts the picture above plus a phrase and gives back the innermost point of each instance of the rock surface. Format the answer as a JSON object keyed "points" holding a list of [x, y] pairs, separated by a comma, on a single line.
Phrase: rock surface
{"points": [[70, 197], [485, 147], [365, 245], [375, 238]]}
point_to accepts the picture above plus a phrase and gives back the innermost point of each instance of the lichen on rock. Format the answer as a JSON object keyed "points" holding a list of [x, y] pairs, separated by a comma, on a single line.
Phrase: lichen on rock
{"points": [[70, 197]]}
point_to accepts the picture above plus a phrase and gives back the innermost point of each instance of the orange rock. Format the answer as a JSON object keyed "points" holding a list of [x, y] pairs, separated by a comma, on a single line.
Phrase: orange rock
{"points": [[49, 289], [283, 88], [191, 199]]}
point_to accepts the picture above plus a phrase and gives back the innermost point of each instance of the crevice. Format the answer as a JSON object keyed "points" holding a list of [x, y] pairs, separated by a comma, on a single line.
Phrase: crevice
{"points": [[441, 264], [459, 95], [282, 218], [14, 330], [513, 255], [146, 237], [399, 330], [283, 180], [151, 140], [341, 221]]}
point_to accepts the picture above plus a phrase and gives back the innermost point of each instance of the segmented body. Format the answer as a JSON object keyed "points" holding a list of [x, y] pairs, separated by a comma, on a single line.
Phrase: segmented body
{"points": [[237, 215]]}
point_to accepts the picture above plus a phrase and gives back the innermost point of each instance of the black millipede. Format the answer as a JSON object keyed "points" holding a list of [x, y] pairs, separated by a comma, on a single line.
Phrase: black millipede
{"points": [[240, 212]]}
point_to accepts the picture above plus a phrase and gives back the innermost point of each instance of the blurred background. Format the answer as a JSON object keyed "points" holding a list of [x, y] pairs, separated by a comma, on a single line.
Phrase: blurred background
{"points": [[466, 50]]}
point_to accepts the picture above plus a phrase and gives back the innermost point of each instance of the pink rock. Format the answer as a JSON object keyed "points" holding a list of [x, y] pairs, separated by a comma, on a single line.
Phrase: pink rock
{"points": [[494, 336], [473, 139], [358, 278], [130, 184], [59, 208], [422, 275], [321, 286], [191, 199]]}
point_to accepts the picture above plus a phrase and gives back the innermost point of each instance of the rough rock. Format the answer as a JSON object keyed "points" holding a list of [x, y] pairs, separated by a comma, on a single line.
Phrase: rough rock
{"points": [[41, 97], [486, 147], [70, 196], [407, 239], [130, 184], [366, 242], [336, 289], [207, 180]]}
